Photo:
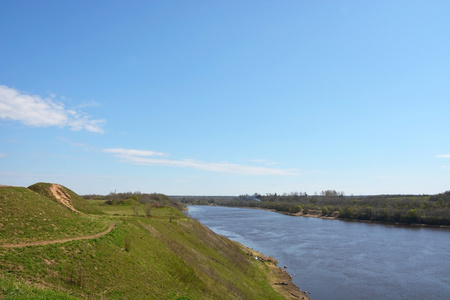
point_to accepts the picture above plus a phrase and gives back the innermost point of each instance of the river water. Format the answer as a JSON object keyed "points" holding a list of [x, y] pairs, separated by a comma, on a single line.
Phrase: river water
{"points": [[333, 259]]}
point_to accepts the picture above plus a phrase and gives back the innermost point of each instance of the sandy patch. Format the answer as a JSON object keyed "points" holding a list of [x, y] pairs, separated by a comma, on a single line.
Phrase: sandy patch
{"points": [[62, 196]]}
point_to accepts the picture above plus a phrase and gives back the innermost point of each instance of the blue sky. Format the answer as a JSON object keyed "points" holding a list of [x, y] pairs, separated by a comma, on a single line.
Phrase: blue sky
{"points": [[226, 97]]}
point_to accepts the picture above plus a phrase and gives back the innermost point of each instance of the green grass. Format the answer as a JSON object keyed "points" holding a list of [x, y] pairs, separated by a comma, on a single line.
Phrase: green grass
{"points": [[13, 289], [118, 210], [26, 216], [126, 209], [167, 256]]}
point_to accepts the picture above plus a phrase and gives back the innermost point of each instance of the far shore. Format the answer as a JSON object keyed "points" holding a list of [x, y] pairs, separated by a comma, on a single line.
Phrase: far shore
{"points": [[313, 213]]}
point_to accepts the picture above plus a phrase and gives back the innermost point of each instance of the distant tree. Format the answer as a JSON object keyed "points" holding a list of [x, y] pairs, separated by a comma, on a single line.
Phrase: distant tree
{"points": [[368, 213], [348, 213], [412, 216]]}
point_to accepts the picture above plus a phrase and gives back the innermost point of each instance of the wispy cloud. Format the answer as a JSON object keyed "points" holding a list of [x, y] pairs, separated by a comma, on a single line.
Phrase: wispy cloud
{"points": [[144, 157], [444, 156], [264, 161], [89, 104], [3, 155], [133, 152], [34, 110]]}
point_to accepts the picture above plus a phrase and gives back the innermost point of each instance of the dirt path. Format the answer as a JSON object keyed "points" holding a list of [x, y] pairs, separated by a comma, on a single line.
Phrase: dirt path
{"points": [[89, 237]]}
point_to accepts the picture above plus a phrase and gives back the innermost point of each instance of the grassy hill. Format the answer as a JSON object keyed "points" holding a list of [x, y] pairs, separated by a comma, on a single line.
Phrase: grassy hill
{"points": [[78, 203], [27, 216], [165, 256]]}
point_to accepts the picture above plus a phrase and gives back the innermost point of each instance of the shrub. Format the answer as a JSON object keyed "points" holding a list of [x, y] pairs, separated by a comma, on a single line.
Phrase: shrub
{"points": [[127, 244], [136, 209], [148, 210]]}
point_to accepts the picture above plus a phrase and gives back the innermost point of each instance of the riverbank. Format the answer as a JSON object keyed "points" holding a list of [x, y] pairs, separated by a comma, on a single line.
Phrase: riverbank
{"points": [[279, 279]]}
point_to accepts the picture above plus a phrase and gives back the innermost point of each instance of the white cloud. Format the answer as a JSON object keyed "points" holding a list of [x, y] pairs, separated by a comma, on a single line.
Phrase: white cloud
{"points": [[443, 156], [140, 157], [3, 155], [133, 152], [446, 167], [34, 110]]}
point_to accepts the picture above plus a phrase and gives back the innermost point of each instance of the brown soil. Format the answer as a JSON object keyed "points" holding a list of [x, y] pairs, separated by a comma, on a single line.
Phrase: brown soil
{"points": [[62, 196], [282, 283], [89, 237], [280, 280], [313, 213], [316, 213]]}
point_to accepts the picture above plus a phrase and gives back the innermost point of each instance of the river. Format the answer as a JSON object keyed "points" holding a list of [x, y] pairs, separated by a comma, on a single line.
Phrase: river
{"points": [[334, 259]]}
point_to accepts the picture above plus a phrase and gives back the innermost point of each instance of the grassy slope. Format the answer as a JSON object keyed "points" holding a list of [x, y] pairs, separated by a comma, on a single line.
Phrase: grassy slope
{"points": [[27, 216], [170, 257]]}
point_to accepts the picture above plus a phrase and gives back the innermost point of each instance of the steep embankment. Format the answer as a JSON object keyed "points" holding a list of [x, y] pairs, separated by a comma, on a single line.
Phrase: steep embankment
{"points": [[166, 256]]}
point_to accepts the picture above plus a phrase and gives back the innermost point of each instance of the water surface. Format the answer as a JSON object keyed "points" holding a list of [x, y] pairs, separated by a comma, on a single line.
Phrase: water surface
{"points": [[333, 259]]}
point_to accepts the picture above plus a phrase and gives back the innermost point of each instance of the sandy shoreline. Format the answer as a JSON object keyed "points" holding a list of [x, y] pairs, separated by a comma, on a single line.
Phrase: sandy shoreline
{"points": [[279, 279]]}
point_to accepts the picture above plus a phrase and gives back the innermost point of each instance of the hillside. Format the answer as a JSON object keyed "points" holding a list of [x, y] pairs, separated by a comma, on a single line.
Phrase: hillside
{"points": [[164, 256], [27, 216], [63, 195]]}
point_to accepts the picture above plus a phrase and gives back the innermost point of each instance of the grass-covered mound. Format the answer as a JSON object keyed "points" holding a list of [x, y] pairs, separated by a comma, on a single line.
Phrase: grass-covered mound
{"points": [[78, 203], [163, 256], [27, 216]]}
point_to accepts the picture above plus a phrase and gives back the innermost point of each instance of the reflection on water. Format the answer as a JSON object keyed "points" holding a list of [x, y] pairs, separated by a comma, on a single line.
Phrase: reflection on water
{"points": [[334, 259]]}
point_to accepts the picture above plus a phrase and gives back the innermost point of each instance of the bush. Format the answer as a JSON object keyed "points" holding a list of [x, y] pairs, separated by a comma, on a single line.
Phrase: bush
{"points": [[148, 210], [127, 244], [136, 209]]}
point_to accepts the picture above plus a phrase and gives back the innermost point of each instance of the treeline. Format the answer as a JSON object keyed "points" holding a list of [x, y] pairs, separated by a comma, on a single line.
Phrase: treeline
{"points": [[407, 209], [202, 200], [114, 198]]}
